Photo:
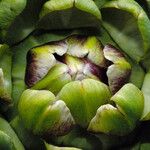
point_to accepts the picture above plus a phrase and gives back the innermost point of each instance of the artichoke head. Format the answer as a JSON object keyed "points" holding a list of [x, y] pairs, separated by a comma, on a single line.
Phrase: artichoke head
{"points": [[79, 81], [75, 58]]}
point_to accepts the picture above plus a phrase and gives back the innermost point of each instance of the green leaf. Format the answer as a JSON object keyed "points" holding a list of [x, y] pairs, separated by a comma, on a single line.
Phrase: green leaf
{"points": [[6, 142], [105, 38], [129, 26], [83, 99], [65, 14], [6, 128], [28, 21], [9, 10], [130, 102], [137, 80], [25, 23]]}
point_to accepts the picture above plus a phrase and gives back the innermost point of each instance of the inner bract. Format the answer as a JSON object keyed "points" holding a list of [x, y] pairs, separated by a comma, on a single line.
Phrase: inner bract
{"points": [[55, 64]]}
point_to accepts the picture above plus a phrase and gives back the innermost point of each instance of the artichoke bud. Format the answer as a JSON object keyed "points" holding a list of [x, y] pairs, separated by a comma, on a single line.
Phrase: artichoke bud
{"points": [[83, 75], [122, 118], [81, 57], [43, 115], [74, 58]]}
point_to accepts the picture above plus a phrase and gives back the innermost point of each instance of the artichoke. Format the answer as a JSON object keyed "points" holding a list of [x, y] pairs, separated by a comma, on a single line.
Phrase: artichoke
{"points": [[78, 81], [74, 74]]}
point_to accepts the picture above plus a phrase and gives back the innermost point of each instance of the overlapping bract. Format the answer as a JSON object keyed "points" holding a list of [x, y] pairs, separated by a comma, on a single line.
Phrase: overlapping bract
{"points": [[74, 70], [82, 100]]}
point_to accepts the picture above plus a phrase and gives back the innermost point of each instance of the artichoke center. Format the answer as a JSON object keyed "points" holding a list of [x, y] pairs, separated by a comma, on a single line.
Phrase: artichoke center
{"points": [[55, 64]]}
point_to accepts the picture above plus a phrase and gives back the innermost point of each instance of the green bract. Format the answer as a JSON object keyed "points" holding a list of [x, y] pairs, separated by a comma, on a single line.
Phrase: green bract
{"points": [[129, 103], [84, 98], [64, 14], [9, 10], [8, 138], [133, 26], [49, 115], [82, 102], [34, 17]]}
